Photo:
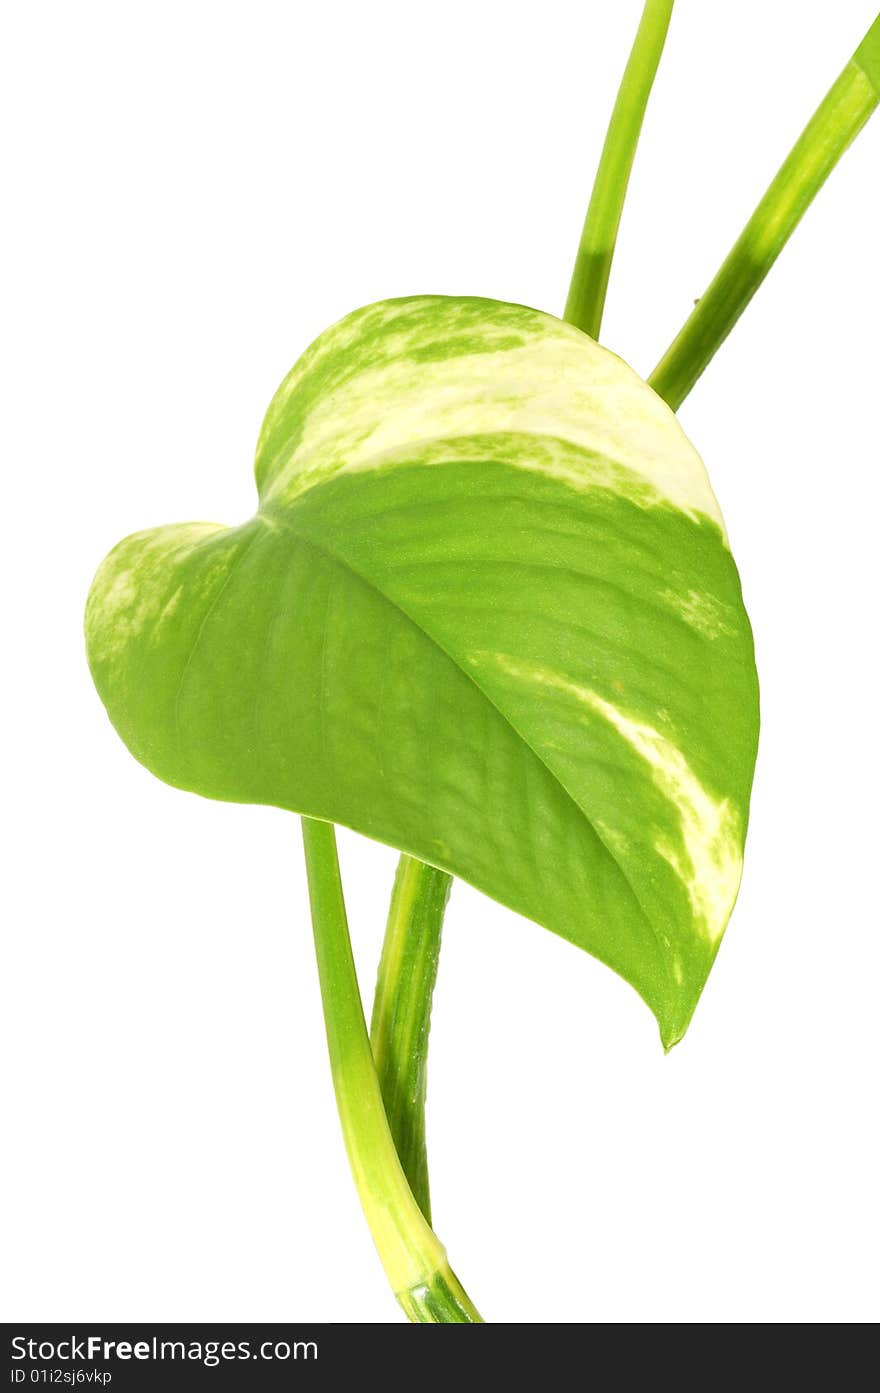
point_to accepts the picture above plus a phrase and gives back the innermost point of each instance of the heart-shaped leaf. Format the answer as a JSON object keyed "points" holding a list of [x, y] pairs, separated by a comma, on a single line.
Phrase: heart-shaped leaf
{"points": [[486, 613]]}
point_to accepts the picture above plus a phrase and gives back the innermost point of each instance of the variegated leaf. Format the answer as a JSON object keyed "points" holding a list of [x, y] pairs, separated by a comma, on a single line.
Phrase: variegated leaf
{"points": [[486, 613]]}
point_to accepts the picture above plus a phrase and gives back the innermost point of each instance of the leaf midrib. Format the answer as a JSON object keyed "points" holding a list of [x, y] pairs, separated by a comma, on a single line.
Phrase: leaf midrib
{"points": [[328, 551]]}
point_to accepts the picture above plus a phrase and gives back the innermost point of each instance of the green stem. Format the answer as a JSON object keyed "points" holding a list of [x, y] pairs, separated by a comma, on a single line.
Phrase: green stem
{"points": [[833, 127], [412, 1255], [402, 1011], [589, 282]]}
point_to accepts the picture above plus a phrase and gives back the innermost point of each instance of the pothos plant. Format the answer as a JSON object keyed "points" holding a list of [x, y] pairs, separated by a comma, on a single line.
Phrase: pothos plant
{"points": [[486, 613]]}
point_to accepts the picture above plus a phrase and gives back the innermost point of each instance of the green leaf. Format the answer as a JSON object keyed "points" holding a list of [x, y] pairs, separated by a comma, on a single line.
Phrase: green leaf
{"points": [[486, 613]]}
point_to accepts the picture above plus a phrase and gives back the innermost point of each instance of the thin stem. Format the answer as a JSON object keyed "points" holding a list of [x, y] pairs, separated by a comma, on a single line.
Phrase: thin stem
{"points": [[831, 130], [589, 282], [412, 1255], [402, 1011]]}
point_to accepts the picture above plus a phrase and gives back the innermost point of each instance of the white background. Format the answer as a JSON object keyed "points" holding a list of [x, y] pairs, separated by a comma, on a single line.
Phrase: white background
{"points": [[193, 192]]}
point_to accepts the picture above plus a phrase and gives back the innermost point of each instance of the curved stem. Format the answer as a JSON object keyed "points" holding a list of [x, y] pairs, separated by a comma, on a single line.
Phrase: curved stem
{"points": [[589, 282], [412, 1255], [402, 1011], [830, 131]]}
